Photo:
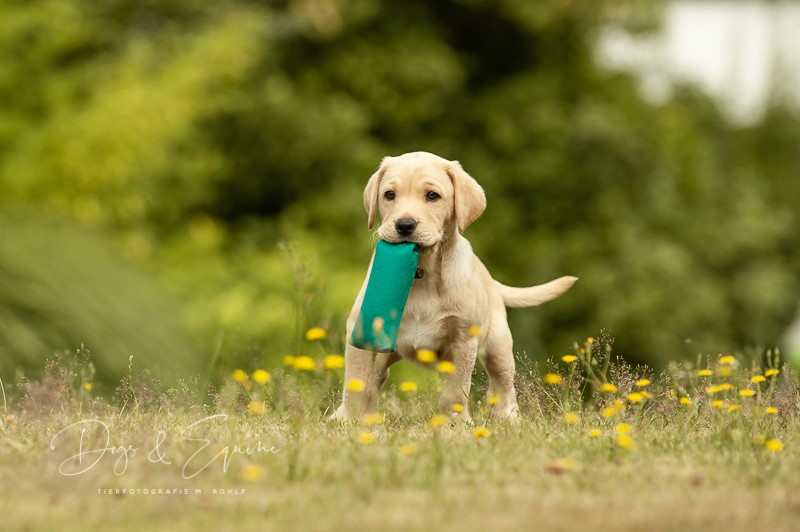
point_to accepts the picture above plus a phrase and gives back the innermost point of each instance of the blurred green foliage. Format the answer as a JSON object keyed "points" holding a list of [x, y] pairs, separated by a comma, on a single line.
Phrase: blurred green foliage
{"points": [[199, 136]]}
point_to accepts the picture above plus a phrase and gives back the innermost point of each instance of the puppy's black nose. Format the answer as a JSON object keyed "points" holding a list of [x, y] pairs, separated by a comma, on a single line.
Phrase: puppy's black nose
{"points": [[405, 226]]}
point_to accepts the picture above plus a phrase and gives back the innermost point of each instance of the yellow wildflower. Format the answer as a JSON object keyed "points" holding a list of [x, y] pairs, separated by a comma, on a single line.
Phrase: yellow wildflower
{"points": [[570, 418], [717, 404], [734, 408], [457, 408], [408, 449], [437, 421], [494, 399], [365, 438], [590, 340], [626, 442], [481, 432], [635, 397], [256, 407], [747, 393], [355, 385], [474, 330], [771, 410], [553, 378], [704, 373], [609, 412], [773, 445], [771, 372], [87, 386], [595, 433], [239, 375], [685, 401], [727, 360], [569, 359], [374, 418], [408, 386], [758, 379], [315, 333], [304, 363], [426, 356], [261, 376], [641, 383], [445, 366], [252, 473], [725, 371], [623, 428], [646, 395], [608, 388], [288, 360], [333, 362]]}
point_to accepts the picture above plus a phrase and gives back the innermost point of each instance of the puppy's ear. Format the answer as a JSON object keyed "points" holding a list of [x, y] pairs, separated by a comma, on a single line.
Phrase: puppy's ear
{"points": [[371, 193], [470, 200]]}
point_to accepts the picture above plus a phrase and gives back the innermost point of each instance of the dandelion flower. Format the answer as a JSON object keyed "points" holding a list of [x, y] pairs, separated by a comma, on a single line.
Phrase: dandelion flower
{"points": [[623, 428], [408, 387], [646, 395], [288, 360], [590, 340], [704, 372], [426, 356], [774, 446], [595, 433], [239, 375], [457, 408], [446, 367], [87, 386], [641, 383], [569, 359], [552, 378], [727, 360], [333, 362], [252, 473], [315, 333], [734, 408], [635, 397], [304, 363], [409, 449], [626, 442], [685, 401], [481, 432], [747, 393], [261, 376], [474, 330], [355, 385], [725, 371], [374, 418], [607, 387], [256, 408], [771, 410], [570, 418], [437, 421], [365, 438], [758, 379], [717, 404], [494, 399], [609, 412], [771, 373]]}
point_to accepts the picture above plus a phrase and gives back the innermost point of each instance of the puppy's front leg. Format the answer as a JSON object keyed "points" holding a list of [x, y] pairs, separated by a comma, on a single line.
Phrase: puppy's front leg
{"points": [[455, 397], [363, 367]]}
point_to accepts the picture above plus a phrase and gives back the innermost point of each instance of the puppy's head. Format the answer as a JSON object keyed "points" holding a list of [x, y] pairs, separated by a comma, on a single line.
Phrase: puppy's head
{"points": [[419, 196]]}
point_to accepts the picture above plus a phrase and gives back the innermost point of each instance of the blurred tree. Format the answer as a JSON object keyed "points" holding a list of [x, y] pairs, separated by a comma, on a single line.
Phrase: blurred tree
{"points": [[203, 135]]}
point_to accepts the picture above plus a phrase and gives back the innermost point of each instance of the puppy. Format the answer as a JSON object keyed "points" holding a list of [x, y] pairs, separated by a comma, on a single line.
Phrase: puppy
{"points": [[455, 309]]}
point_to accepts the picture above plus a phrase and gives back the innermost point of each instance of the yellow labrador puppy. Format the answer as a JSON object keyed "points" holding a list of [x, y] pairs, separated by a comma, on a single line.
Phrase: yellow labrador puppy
{"points": [[455, 308]]}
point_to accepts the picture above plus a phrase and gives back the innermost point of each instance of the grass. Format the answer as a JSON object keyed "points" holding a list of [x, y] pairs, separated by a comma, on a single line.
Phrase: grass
{"points": [[601, 446]]}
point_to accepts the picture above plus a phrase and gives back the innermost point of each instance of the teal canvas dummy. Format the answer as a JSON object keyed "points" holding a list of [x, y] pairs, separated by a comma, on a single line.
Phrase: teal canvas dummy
{"points": [[393, 270]]}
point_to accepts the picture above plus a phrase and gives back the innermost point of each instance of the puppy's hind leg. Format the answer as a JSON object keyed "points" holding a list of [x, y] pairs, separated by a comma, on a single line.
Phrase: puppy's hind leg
{"points": [[499, 362]]}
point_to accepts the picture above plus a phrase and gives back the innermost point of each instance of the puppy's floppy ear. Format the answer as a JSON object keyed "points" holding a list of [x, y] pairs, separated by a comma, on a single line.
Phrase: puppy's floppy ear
{"points": [[371, 193], [470, 200]]}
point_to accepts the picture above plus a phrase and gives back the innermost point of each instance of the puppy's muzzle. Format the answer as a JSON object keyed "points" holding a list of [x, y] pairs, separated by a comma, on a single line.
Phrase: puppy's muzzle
{"points": [[405, 226]]}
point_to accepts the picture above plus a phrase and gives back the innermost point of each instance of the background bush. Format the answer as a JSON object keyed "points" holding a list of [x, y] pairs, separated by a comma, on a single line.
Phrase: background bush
{"points": [[197, 138]]}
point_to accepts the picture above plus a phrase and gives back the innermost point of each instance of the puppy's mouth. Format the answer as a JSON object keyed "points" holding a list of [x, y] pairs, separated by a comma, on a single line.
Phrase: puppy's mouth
{"points": [[421, 238]]}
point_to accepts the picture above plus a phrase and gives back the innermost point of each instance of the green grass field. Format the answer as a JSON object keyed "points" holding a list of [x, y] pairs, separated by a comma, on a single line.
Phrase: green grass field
{"points": [[601, 445]]}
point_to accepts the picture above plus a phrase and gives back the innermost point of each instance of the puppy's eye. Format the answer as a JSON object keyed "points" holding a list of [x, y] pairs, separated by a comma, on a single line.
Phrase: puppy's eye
{"points": [[389, 195], [432, 196]]}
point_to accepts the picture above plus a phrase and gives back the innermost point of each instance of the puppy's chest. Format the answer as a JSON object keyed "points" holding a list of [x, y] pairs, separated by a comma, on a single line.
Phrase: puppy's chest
{"points": [[425, 324]]}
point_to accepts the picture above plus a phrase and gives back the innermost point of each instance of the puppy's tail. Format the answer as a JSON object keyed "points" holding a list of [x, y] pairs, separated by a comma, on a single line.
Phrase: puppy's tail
{"points": [[535, 295]]}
